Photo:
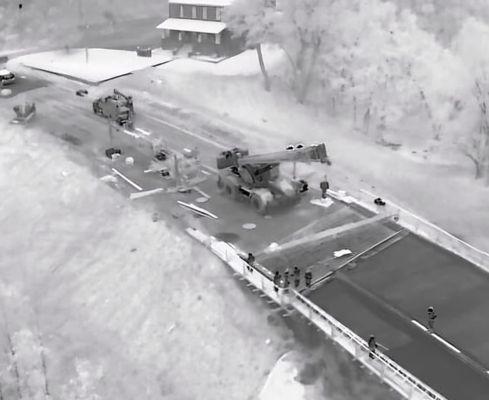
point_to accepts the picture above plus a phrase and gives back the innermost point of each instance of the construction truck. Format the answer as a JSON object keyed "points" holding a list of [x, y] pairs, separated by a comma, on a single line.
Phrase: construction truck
{"points": [[116, 107], [24, 113], [257, 178], [183, 168]]}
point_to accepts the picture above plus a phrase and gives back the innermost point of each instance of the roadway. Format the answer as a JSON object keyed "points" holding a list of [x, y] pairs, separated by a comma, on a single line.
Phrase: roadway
{"points": [[377, 294]]}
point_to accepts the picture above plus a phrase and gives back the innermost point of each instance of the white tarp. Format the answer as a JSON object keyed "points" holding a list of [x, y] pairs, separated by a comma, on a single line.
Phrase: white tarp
{"points": [[192, 25]]}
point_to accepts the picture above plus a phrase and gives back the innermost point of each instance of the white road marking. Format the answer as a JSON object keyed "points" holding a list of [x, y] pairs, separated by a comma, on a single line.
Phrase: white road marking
{"points": [[198, 210], [419, 325], [143, 132], [202, 138], [205, 172], [450, 346], [145, 193], [384, 347], [202, 192], [128, 180]]}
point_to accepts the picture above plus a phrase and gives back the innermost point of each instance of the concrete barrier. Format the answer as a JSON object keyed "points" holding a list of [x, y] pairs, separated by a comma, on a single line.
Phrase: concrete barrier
{"points": [[387, 370]]}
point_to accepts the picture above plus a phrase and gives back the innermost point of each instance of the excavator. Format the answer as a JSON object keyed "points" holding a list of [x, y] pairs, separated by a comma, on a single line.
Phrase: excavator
{"points": [[257, 179]]}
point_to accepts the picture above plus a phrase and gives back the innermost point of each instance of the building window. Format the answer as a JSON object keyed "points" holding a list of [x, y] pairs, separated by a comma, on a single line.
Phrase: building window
{"points": [[218, 38], [218, 13], [181, 11], [180, 36], [194, 12], [204, 12]]}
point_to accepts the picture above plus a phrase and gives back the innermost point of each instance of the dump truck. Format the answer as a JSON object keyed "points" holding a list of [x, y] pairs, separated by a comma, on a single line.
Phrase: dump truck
{"points": [[257, 178], [116, 107]]}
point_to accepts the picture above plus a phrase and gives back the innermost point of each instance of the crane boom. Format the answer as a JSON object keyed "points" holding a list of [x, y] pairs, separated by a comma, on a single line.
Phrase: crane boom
{"points": [[310, 153], [240, 158]]}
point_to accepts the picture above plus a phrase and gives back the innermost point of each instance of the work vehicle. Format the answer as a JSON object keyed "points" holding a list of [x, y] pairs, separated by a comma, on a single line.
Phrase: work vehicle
{"points": [[180, 167], [116, 107], [257, 178], [24, 113], [6, 77]]}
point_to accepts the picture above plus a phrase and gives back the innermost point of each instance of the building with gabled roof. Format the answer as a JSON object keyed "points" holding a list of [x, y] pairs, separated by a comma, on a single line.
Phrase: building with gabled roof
{"points": [[198, 23]]}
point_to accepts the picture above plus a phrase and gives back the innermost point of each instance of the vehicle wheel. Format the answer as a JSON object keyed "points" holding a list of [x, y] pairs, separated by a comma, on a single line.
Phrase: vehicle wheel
{"points": [[259, 205]]}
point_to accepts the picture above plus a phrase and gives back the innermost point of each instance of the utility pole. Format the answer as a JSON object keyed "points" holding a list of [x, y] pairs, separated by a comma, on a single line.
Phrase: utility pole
{"points": [[81, 16]]}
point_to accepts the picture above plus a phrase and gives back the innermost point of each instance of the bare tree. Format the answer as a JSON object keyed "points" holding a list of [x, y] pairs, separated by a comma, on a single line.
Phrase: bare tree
{"points": [[477, 146], [302, 33], [252, 21]]}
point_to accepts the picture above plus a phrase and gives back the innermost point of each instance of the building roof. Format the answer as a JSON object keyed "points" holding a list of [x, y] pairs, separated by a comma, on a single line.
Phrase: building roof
{"points": [[192, 25], [215, 3]]}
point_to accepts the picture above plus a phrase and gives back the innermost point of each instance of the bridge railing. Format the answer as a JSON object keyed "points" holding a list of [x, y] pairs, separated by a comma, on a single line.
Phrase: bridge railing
{"points": [[386, 369], [421, 227]]}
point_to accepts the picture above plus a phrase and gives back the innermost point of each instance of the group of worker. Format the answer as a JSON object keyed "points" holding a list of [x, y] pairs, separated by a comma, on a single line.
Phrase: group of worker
{"points": [[284, 282]]}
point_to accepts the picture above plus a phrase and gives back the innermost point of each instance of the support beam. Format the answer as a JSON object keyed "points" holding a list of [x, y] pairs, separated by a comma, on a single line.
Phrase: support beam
{"points": [[332, 233]]}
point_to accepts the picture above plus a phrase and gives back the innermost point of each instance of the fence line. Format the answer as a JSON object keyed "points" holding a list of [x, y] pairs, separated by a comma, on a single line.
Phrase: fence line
{"points": [[386, 369]]}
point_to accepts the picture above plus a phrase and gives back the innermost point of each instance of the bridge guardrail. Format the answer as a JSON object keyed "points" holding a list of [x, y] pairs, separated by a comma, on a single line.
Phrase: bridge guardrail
{"points": [[386, 369], [423, 228]]}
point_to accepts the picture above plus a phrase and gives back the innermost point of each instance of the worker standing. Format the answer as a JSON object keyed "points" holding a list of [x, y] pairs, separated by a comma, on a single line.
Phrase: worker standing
{"points": [[372, 345], [324, 185], [276, 281], [297, 277], [251, 261], [308, 278], [286, 279], [431, 319]]}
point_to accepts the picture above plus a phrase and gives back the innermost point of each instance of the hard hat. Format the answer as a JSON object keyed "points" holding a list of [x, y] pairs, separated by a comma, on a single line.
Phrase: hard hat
{"points": [[430, 308]]}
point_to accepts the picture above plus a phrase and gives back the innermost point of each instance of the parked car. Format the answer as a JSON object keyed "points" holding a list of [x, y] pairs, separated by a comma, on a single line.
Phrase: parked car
{"points": [[81, 92], [6, 77]]}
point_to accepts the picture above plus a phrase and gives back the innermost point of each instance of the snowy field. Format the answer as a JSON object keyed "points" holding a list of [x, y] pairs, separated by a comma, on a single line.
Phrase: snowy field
{"points": [[243, 64], [101, 64], [120, 301]]}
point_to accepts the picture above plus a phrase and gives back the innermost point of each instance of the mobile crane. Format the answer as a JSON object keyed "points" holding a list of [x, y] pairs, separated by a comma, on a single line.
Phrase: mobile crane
{"points": [[257, 179]]}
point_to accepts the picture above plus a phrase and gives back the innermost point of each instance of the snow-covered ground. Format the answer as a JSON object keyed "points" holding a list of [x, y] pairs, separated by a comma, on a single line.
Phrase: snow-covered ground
{"points": [[283, 382], [243, 64], [101, 64], [138, 309]]}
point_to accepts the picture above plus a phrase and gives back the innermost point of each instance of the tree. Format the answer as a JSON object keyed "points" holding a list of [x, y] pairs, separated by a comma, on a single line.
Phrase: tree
{"points": [[386, 68], [301, 30], [475, 55], [84, 385], [252, 20], [476, 146]]}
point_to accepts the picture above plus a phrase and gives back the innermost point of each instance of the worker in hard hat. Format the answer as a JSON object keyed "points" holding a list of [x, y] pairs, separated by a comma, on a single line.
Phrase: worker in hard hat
{"points": [[372, 345], [324, 185], [431, 319]]}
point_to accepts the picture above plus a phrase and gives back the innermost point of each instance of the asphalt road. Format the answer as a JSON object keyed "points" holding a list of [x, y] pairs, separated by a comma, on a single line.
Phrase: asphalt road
{"points": [[379, 295], [23, 84]]}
